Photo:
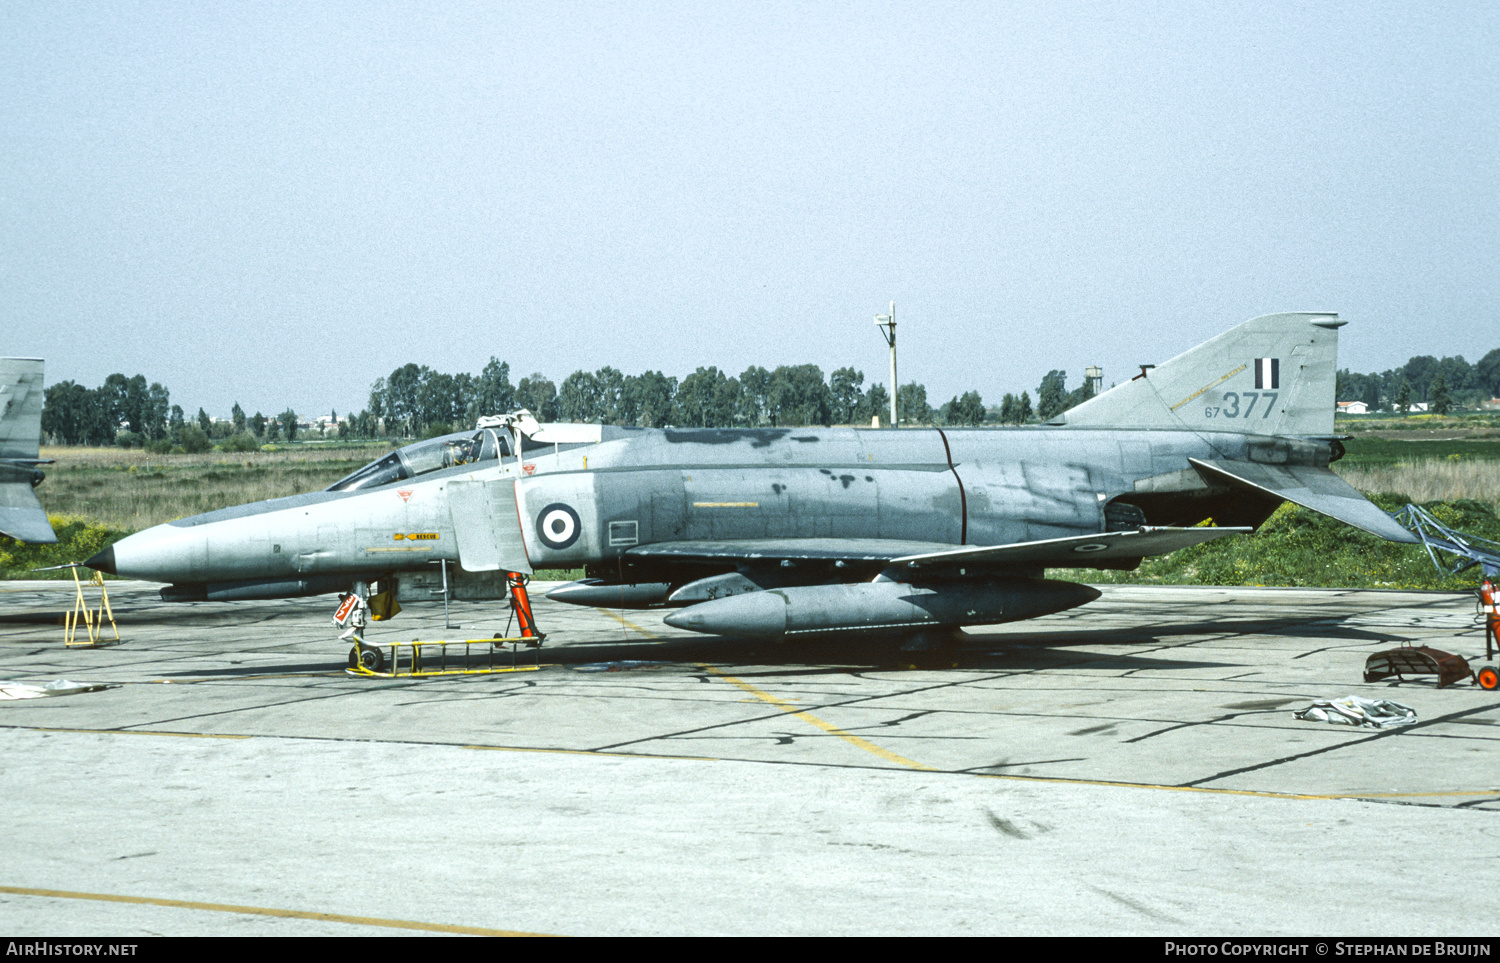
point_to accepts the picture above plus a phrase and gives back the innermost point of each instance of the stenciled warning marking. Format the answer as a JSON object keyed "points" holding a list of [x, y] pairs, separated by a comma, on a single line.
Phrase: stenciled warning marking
{"points": [[726, 504], [417, 536], [345, 608], [405, 494]]}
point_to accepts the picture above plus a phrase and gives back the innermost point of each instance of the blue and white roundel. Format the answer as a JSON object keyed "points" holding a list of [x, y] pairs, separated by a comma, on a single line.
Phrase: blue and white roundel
{"points": [[558, 526]]}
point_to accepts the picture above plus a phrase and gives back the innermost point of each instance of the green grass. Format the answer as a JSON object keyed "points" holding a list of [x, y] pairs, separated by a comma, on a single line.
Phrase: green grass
{"points": [[132, 490], [77, 540], [558, 574], [1371, 449]]}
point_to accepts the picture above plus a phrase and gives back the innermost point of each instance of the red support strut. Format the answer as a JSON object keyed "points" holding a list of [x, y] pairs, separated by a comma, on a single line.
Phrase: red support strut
{"points": [[520, 604]]}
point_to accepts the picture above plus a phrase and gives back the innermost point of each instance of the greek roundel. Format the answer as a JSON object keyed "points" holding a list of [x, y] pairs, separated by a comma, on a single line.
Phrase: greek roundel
{"points": [[558, 526]]}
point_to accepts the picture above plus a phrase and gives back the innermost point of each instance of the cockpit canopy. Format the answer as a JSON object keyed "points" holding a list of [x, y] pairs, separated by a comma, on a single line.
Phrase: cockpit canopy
{"points": [[434, 454]]}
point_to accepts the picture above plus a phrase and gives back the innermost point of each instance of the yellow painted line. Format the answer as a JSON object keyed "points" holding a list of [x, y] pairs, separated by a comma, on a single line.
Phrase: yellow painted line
{"points": [[1207, 387], [627, 623], [811, 719], [726, 504], [144, 732], [401, 548], [238, 678], [265, 911]]}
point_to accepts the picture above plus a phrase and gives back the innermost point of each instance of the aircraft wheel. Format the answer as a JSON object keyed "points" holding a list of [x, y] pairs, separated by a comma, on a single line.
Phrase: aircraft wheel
{"points": [[1489, 679], [372, 660], [354, 657]]}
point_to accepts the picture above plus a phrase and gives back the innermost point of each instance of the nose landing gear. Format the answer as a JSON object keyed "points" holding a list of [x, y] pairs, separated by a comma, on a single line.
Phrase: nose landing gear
{"points": [[368, 658], [407, 659]]}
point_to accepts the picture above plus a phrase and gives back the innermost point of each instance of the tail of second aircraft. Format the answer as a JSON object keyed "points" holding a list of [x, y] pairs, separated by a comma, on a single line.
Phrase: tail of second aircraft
{"points": [[21, 515], [1272, 375]]}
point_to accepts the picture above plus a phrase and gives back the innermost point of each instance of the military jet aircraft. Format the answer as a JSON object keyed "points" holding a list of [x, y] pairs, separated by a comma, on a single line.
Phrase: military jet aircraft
{"points": [[21, 515], [784, 532]]}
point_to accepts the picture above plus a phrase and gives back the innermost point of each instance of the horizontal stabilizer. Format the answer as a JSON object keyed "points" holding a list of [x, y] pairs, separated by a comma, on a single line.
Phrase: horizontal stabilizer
{"points": [[1311, 487], [21, 515], [1078, 551]]}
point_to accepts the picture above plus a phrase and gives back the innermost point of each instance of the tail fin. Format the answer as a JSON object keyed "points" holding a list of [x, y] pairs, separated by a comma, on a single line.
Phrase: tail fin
{"points": [[1272, 375], [21, 515], [20, 407]]}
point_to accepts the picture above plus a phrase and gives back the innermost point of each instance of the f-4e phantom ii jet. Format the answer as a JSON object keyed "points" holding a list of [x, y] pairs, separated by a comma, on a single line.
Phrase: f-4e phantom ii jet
{"points": [[21, 515], [787, 532]]}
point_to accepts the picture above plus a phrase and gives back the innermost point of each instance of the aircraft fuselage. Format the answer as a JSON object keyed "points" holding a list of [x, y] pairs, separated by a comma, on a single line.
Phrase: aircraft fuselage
{"points": [[590, 504]]}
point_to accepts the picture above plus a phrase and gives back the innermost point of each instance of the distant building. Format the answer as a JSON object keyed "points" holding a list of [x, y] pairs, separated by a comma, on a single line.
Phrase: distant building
{"points": [[1492, 405], [1353, 408]]}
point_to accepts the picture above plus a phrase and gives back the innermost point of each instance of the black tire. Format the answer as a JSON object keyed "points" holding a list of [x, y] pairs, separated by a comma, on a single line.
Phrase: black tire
{"points": [[354, 657], [371, 660]]}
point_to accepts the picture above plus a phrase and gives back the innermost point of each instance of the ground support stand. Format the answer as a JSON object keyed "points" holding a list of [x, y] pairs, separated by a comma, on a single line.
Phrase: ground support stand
{"points": [[91, 618], [417, 660], [1488, 677], [1467, 551], [373, 661]]}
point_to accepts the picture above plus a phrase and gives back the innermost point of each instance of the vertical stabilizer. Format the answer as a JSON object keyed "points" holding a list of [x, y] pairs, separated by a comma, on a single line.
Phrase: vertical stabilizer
{"points": [[21, 515], [20, 407], [1272, 375]]}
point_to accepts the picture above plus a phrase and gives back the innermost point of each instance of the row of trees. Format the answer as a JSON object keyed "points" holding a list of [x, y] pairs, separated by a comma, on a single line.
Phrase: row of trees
{"points": [[75, 415], [1442, 383], [415, 400], [132, 414]]}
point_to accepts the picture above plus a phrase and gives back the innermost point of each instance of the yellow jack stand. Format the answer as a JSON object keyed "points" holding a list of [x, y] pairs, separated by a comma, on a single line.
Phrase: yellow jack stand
{"points": [[92, 619], [478, 658]]}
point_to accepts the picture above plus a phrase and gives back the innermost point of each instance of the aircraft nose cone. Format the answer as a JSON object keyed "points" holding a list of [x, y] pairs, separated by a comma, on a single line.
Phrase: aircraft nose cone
{"points": [[103, 561], [164, 553]]}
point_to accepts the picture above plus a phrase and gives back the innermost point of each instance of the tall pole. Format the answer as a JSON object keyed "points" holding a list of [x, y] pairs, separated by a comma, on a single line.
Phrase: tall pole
{"points": [[887, 325]]}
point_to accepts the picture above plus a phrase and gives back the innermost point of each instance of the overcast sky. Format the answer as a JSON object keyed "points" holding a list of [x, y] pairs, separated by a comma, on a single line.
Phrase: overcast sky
{"points": [[280, 203]]}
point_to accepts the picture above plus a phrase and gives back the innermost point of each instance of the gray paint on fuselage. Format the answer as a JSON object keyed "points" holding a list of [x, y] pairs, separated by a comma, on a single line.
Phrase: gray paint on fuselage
{"points": [[703, 485], [724, 484]]}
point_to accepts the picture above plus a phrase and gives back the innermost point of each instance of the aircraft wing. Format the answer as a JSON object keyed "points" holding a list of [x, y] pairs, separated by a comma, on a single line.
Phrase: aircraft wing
{"points": [[21, 515], [1079, 551], [1311, 487]]}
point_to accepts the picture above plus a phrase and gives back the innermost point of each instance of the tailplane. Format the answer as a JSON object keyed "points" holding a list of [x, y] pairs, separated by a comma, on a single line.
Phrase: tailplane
{"points": [[1272, 375]]}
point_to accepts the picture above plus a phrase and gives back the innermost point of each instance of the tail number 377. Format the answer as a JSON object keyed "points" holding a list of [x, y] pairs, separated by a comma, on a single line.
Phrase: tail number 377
{"points": [[1238, 405]]}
